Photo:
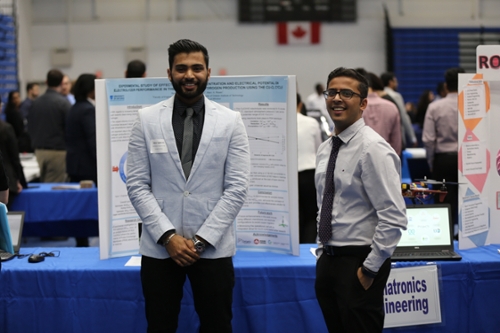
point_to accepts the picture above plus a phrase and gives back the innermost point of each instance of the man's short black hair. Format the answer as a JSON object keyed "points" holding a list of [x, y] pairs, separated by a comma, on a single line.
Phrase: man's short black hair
{"points": [[185, 46], [375, 82], [30, 86], [319, 88], [354, 74], [387, 77], [440, 88], [83, 86], [361, 71], [54, 78], [136, 68], [451, 78]]}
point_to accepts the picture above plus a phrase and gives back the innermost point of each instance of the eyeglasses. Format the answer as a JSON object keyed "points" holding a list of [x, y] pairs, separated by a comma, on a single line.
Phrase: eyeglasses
{"points": [[343, 93]]}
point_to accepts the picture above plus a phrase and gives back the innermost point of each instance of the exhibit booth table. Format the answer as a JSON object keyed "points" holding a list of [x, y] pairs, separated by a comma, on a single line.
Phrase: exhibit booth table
{"points": [[77, 292], [58, 209]]}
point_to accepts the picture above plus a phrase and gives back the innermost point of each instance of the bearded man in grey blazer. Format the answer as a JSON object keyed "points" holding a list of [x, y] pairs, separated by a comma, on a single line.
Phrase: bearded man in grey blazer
{"points": [[188, 171]]}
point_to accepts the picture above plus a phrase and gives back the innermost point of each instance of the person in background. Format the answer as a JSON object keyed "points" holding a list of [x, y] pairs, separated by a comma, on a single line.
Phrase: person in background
{"points": [[382, 116], [188, 188], [4, 188], [308, 139], [390, 82], [14, 117], [135, 69], [11, 161], [81, 151], [81, 156], [411, 110], [32, 92], [425, 99], [440, 138], [46, 126], [4, 183], [66, 89], [441, 91], [316, 102], [12, 113], [361, 212]]}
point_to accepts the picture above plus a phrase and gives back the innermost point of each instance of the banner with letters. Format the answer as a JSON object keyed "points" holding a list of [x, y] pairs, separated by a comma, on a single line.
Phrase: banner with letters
{"points": [[268, 220]]}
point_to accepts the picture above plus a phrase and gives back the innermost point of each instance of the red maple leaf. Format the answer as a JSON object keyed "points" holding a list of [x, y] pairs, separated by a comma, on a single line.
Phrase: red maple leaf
{"points": [[299, 32], [115, 169]]}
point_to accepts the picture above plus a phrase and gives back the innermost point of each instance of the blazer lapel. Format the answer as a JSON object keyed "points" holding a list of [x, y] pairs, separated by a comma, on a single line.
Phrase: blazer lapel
{"points": [[168, 131], [207, 133]]}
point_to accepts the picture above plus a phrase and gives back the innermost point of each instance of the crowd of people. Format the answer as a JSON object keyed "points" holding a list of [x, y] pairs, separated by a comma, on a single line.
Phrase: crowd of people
{"points": [[57, 126]]}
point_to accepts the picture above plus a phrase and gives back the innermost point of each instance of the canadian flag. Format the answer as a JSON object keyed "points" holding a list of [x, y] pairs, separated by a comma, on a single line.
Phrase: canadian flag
{"points": [[298, 33]]}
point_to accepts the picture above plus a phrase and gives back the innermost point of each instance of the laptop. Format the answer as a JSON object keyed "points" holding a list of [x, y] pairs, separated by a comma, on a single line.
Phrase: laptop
{"points": [[16, 223], [429, 234]]}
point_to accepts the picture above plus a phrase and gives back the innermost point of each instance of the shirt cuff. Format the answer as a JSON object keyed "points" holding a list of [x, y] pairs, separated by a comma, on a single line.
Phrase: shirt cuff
{"points": [[367, 272], [163, 237], [373, 262]]}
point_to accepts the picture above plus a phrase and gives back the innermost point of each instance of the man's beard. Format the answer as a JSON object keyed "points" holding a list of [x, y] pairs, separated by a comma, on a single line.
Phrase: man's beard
{"points": [[200, 88]]}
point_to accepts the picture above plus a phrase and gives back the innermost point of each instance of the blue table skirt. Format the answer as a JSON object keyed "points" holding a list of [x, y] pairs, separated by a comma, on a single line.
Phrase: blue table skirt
{"points": [[77, 292], [51, 212]]}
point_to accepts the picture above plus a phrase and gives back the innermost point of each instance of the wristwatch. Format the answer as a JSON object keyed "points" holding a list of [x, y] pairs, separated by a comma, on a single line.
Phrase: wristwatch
{"points": [[198, 245]]}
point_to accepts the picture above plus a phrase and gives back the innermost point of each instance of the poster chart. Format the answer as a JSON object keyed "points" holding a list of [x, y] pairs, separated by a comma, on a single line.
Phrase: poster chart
{"points": [[268, 220], [479, 146]]}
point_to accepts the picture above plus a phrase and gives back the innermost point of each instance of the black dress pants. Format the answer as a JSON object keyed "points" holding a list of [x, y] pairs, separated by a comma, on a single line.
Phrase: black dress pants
{"points": [[212, 282], [346, 305], [308, 207]]}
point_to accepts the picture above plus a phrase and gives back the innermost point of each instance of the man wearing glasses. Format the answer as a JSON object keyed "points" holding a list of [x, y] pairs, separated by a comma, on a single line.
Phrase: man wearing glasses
{"points": [[361, 213]]}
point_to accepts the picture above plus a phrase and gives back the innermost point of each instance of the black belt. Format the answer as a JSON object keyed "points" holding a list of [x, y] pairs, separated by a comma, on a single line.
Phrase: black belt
{"points": [[338, 251]]}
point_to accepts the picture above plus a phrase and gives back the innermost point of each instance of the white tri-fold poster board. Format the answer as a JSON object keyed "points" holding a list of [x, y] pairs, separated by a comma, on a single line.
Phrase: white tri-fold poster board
{"points": [[479, 151], [268, 220]]}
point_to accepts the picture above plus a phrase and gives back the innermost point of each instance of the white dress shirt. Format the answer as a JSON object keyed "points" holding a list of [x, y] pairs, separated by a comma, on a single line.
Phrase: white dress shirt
{"points": [[368, 208]]}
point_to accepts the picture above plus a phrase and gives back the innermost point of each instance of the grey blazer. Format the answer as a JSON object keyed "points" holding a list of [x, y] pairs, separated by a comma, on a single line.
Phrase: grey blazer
{"points": [[208, 202]]}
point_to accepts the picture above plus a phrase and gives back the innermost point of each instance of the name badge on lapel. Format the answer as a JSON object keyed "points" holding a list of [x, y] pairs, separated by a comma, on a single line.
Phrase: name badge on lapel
{"points": [[158, 146]]}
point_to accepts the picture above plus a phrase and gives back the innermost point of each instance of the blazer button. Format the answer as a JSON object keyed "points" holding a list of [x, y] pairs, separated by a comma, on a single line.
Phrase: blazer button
{"points": [[186, 193]]}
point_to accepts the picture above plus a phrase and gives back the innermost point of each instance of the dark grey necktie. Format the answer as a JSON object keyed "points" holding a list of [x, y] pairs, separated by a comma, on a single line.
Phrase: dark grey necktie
{"points": [[187, 143], [325, 220]]}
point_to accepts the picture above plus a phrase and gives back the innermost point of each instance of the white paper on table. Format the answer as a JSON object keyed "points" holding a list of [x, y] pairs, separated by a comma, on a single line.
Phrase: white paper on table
{"points": [[134, 261]]}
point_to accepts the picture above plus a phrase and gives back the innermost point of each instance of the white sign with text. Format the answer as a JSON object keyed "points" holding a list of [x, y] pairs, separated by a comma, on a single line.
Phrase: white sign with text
{"points": [[411, 297]]}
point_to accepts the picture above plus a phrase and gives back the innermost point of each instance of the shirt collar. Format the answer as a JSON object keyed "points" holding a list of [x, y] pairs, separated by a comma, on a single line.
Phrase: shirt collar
{"points": [[347, 134]]}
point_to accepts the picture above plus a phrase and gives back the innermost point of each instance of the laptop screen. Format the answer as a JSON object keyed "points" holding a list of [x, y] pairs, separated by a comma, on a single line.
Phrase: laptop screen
{"points": [[16, 220], [428, 225]]}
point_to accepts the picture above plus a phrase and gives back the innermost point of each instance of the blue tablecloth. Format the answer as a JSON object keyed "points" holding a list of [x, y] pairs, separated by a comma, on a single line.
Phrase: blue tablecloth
{"points": [[77, 292], [50, 212]]}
